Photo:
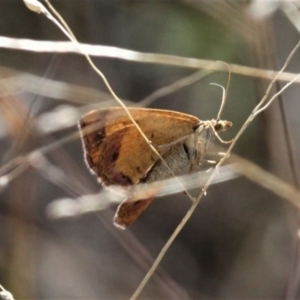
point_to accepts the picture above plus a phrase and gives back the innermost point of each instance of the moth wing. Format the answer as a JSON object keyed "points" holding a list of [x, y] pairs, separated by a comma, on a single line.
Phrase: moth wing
{"points": [[115, 150], [128, 211]]}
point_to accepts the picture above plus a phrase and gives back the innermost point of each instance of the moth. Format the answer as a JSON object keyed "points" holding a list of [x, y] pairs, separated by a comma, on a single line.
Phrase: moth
{"points": [[117, 153]]}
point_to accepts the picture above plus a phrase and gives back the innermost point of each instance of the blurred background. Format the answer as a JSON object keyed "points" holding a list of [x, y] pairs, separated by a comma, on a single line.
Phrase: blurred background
{"points": [[241, 242]]}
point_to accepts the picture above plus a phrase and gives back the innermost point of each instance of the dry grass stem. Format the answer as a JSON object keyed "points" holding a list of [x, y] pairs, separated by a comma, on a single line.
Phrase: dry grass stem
{"points": [[134, 56]]}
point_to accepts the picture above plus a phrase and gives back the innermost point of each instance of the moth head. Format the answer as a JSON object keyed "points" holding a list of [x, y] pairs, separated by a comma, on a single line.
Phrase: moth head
{"points": [[221, 125]]}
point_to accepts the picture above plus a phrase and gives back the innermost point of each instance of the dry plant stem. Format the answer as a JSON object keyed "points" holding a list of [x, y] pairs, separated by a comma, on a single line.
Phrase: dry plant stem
{"points": [[265, 179], [261, 103], [125, 54], [183, 82], [171, 239], [133, 246], [166, 247], [5, 295], [16, 162], [113, 94], [274, 97], [17, 81], [179, 84], [291, 11], [255, 112], [174, 234]]}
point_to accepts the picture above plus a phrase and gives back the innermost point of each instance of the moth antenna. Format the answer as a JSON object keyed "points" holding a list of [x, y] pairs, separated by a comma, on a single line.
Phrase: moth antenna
{"points": [[223, 100]]}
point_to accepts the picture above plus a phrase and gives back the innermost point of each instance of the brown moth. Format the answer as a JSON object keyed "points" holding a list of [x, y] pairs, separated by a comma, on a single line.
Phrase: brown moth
{"points": [[116, 152]]}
